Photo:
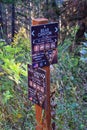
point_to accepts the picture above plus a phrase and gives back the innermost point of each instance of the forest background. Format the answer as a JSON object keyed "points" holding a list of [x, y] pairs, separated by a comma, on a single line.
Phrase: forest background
{"points": [[68, 77]]}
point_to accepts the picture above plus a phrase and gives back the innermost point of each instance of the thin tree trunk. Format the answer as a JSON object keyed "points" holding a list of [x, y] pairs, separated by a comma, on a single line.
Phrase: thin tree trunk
{"points": [[47, 5], [13, 19], [1, 22]]}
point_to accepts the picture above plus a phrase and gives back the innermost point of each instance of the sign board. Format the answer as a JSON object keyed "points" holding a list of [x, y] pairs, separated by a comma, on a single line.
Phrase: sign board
{"points": [[37, 86], [44, 40]]}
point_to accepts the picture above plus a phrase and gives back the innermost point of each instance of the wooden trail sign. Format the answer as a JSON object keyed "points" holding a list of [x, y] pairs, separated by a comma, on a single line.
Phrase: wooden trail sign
{"points": [[44, 40], [37, 86], [39, 117]]}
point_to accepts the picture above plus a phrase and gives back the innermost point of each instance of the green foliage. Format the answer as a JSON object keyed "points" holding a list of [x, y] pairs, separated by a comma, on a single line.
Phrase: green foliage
{"points": [[83, 50], [9, 1], [70, 79], [16, 112]]}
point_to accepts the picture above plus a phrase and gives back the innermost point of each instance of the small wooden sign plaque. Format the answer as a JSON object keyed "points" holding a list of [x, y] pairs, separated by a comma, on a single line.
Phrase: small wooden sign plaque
{"points": [[44, 39], [37, 86]]}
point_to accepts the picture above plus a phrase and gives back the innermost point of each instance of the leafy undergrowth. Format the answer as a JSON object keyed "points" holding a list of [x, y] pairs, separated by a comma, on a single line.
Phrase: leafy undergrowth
{"points": [[69, 77], [16, 112]]}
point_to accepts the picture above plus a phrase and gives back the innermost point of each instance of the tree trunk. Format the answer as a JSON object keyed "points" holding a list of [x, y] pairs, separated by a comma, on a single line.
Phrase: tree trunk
{"points": [[1, 22], [13, 19]]}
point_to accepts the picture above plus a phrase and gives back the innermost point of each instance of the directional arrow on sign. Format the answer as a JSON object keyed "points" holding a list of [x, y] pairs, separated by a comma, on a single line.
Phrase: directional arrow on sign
{"points": [[55, 40], [56, 29], [32, 33]]}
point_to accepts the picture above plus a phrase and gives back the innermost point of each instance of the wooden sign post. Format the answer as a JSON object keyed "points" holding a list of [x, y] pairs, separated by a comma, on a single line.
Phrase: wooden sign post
{"points": [[43, 124]]}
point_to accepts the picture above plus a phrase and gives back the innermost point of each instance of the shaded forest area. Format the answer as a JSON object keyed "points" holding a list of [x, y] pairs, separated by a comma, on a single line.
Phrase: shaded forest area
{"points": [[68, 77], [14, 15]]}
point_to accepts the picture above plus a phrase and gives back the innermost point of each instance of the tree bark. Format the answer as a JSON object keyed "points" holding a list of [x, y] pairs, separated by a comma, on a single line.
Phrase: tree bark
{"points": [[1, 22], [13, 19]]}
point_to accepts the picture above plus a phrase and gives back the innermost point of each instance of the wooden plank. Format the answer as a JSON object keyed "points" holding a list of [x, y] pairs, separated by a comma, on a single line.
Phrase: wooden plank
{"points": [[39, 21], [43, 124], [47, 121]]}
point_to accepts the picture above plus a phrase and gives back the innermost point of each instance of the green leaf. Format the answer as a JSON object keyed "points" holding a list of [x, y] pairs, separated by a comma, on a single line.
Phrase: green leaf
{"points": [[7, 96]]}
